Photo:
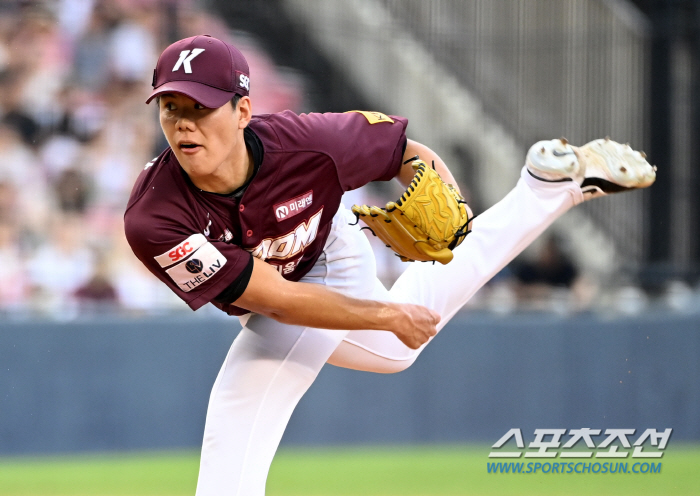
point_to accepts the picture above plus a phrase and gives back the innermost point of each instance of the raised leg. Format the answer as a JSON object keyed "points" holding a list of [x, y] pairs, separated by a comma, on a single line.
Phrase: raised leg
{"points": [[498, 235], [556, 177]]}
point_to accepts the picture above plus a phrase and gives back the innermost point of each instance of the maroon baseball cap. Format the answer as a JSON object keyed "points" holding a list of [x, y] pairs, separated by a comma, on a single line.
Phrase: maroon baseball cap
{"points": [[203, 68]]}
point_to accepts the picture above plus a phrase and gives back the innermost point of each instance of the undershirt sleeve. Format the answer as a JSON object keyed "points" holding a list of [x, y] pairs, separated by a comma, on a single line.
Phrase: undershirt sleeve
{"points": [[234, 290]]}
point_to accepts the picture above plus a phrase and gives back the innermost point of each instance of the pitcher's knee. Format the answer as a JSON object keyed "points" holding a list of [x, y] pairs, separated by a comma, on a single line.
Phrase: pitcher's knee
{"points": [[389, 366], [353, 357]]}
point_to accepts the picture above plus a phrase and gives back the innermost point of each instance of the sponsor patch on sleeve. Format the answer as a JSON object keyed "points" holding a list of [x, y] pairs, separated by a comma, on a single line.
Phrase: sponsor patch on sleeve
{"points": [[374, 117], [204, 263], [183, 250]]}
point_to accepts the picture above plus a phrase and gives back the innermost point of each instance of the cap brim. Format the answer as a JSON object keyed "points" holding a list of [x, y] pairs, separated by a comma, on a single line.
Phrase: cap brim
{"points": [[201, 93]]}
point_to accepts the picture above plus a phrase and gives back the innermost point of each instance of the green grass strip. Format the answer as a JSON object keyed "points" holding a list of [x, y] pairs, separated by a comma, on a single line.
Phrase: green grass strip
{"points": [[386, 471], [149, 474]]}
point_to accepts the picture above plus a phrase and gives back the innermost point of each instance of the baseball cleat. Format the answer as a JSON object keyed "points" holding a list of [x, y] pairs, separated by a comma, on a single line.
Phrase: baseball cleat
{"points": [[600, 167]]}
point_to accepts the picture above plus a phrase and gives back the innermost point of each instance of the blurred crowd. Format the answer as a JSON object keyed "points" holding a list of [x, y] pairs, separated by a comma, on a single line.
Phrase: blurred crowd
{"points": [[74, 134]]}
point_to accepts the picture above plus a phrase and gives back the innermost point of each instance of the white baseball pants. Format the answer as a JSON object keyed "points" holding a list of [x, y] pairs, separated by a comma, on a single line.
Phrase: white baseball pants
{"points": [[271, 365]]}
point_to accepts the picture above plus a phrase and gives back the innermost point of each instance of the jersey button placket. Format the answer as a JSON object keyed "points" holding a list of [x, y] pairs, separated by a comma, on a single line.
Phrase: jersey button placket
{"points": [[241, 208], [249, 233]]}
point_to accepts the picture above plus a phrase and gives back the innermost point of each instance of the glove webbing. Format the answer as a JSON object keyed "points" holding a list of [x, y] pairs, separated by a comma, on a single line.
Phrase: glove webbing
{"points": [[459, 235]]}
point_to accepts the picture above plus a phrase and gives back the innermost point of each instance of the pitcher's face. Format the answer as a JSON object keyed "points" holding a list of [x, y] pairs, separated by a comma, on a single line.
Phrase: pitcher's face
{"points": [[203, 139]]}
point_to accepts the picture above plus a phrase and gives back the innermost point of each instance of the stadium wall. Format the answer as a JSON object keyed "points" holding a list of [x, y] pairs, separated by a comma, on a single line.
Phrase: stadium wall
{"points": [[99, 385]]}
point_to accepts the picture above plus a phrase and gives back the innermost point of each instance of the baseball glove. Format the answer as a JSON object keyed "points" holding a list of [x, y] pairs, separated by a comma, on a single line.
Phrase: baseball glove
{"points": [[425, 224]]}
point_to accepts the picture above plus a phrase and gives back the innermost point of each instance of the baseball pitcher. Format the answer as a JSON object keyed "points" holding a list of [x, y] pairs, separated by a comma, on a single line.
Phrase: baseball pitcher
{"points": [[244, 211]]}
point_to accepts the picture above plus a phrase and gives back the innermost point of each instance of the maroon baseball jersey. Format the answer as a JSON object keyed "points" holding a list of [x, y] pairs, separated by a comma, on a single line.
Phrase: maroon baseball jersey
{"points": [[201, 244]]}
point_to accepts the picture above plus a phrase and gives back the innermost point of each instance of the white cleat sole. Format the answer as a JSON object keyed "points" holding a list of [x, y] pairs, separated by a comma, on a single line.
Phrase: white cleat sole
{"points": [[611, 167]]}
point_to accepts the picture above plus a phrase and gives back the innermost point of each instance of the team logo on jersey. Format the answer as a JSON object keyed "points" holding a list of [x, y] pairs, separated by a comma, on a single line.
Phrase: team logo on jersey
{"points": [[204, 263], [183, 250], [290, 244], [186, 59], [292, 207], [226, 236]]}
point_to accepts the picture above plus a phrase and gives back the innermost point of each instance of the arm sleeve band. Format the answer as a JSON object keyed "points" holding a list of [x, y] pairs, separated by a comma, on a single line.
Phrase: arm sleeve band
{"points": [[234, 290]]}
